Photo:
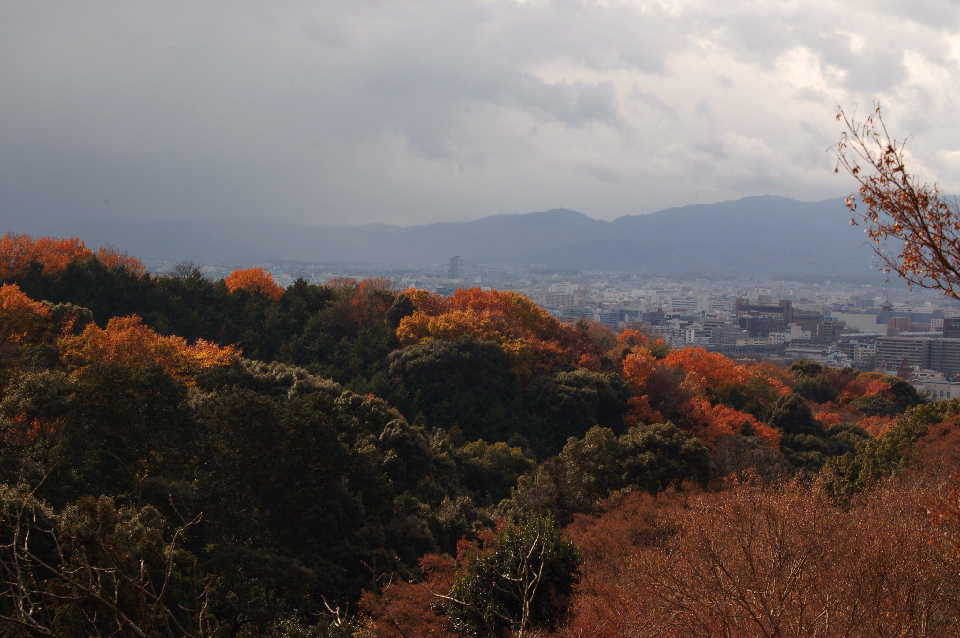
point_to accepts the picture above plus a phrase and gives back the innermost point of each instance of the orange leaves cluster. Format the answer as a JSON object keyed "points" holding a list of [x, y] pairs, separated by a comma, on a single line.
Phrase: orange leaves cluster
{"points": [[255, 280], [638, 368], [713, 421], [522, 328], [358, 305], [21, 318], [704, 369], [127, 341], [18, 252], [630, 340], [698, 375], [777, 378], [864, 385]]}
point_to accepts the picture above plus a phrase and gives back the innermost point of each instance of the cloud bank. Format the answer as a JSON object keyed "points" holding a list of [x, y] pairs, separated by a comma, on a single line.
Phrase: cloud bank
{"points": [[361, 111]]}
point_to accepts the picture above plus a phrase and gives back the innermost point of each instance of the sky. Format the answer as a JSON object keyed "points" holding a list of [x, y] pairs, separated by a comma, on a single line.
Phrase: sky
{"points": [[414, 111]]}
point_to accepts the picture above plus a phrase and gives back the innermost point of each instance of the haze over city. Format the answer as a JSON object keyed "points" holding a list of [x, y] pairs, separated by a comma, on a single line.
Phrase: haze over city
{"points": [[392, 112]]}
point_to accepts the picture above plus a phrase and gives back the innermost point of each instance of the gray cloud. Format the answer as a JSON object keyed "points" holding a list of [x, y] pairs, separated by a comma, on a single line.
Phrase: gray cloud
{"points": [[403, 112]]}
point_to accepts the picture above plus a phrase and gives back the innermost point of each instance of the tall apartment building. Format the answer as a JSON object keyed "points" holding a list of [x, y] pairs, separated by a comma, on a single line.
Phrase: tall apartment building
{"points": [[945, 356], [455, 267], [940, 354]]}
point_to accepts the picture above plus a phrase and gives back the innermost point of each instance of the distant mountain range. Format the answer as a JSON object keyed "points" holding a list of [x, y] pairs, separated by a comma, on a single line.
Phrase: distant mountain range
{"points": [[755, 236]]}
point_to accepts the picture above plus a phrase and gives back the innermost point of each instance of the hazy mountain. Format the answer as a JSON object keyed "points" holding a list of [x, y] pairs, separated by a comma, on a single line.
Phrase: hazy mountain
{"points": [[756, 235]]}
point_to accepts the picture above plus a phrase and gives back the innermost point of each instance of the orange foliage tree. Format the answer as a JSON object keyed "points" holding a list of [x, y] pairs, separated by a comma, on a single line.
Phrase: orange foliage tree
{"points": [[522, 328], [699, 377], [255, 280], [829, 418], [638, 368], [865, 384], [127, 341], [630, 340], [53, 255], [704, 369], [21, 318], [877, 426], [18, 252], [712, 421]]}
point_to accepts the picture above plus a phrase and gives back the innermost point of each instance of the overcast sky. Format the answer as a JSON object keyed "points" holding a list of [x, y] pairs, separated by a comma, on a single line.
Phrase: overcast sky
{"points": [[413, 111]]}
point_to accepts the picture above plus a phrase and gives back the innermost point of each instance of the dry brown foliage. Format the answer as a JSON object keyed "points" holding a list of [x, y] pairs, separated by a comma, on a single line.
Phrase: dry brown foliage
{"points": [[752, 561]]}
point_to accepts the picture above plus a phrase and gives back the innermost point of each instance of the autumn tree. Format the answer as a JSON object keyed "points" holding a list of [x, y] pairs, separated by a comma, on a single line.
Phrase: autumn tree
{"points": [[756, 562], [52, 255], [525, 331], [21, 318], [19, 252], [698, 389], [128, 342], [256, 280], [897, 208]]}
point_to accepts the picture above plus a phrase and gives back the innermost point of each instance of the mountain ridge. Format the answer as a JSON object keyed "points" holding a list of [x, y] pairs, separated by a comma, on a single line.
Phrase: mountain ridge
{"points": [[759, 235]]}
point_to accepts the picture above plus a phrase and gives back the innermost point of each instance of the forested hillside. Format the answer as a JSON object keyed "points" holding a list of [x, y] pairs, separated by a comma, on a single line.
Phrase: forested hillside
{"points": [[182, 457]]}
